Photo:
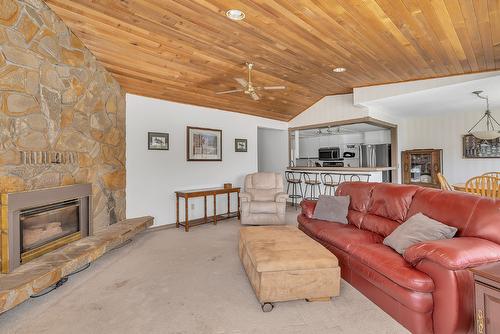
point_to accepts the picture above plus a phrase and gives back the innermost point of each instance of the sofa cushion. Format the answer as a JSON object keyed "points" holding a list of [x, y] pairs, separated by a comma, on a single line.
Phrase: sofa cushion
{"points": [[307, 207], [484, 220], [314, 226], [418, 228], [390, 264], [262, 207], [379, 225], [474, 216], [391, 201], [355, 217], [421, 302], [332, 208], [346, 237], [359, 192]]}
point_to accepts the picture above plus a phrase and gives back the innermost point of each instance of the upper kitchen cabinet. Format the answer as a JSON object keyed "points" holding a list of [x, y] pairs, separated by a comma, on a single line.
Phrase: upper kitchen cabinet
{"points": [[421, 167]]}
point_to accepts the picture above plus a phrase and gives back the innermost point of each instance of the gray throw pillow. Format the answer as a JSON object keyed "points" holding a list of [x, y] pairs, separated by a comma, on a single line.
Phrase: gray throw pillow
{"points": [[418, 228], [332, 208]]}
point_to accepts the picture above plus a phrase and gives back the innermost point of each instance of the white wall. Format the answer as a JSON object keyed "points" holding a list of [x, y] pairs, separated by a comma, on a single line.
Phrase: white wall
{"points": [[272, 150], [364, 95], [153, 176], [435, 113], [330, 109], [445, 132]]}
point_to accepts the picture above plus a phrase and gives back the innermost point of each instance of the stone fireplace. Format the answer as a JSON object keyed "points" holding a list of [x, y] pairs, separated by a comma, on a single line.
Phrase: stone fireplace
{"points": [[62, 115], [36, 222]]}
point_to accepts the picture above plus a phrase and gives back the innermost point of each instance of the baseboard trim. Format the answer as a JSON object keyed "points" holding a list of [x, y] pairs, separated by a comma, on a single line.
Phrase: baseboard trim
{"points": [[160, 227]]}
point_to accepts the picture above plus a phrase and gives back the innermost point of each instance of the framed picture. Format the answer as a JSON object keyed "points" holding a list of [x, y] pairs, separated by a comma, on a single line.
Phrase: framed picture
{"points": [[158, 141], [204, 144], [474, 148], [240, 145]]}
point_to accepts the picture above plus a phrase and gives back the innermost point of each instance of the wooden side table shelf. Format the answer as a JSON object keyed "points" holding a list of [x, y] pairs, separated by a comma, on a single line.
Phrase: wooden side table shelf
{"points": [[187, 194], [487, 296]]}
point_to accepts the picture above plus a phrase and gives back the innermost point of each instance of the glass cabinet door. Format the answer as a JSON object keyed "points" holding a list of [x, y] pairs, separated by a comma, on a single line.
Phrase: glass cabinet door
{"points": [[421, 168]]}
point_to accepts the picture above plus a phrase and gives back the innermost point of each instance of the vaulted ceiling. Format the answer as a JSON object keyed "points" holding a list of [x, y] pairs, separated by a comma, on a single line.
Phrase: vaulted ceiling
{"points": [[186, 50]]}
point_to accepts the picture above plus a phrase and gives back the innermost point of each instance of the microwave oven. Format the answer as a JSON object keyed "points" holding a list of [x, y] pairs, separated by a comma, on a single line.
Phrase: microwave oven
{"points": [[328, 153]]}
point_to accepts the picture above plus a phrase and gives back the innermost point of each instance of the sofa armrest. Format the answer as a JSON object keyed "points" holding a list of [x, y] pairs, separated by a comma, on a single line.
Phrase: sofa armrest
{"points": [[308, 207], [245, 197], [456, 253], [281, 197]]}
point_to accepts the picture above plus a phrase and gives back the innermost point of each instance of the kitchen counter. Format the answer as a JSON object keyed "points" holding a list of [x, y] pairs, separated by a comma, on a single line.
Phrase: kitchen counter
{"points": [[341, 169]]}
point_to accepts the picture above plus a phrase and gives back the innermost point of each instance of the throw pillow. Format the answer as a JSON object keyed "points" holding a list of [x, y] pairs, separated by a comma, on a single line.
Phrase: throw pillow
{"points": [[419, 228], [332, 208]]}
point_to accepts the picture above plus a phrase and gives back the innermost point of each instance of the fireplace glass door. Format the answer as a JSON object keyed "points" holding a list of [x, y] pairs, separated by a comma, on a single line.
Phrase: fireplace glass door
{"points": [[46, 224]]}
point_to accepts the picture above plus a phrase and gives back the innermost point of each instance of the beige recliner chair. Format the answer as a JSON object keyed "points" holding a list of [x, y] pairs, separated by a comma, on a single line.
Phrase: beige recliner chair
{"points": [[263, 202]]}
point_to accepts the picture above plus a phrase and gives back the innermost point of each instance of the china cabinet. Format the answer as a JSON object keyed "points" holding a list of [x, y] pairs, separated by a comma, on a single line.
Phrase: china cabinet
{"points": [[421, 167]]}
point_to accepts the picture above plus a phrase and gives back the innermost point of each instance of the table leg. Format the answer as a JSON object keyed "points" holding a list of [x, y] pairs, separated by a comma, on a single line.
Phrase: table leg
{"points": [[215, 209], [238, 200], [186, 222], [177, 210], [228, 204], [205, 206]]}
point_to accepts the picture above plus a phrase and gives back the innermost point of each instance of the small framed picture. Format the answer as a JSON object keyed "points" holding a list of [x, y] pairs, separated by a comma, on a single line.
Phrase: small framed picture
{"points": [[240, 145], [158, 141]]}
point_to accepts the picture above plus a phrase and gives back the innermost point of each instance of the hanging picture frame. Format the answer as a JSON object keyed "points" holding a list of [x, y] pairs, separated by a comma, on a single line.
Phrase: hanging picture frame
{"points": [[475, 148], [240, 145], [158, 141], [203, 144]]}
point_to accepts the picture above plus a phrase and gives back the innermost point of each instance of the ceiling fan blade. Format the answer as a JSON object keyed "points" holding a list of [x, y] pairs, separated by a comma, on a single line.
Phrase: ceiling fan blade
{"points": [[242, 82], [254, 96], [229, 91], [273, 87]]}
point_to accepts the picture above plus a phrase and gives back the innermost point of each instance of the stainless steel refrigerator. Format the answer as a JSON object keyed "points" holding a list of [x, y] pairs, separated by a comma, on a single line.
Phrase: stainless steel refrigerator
{"points": [[377, 155]]}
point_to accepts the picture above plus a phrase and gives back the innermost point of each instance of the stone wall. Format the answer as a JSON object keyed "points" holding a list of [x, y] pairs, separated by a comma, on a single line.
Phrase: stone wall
{"points": [[62, 115]]}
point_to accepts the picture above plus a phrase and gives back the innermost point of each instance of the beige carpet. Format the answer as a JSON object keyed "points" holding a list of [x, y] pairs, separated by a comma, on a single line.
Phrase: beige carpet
{"points": [[169, 281]]}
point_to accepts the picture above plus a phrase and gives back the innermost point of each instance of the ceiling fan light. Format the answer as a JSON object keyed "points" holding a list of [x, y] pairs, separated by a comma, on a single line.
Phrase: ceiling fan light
{"points": [[235, 14], [486, 135], [339, 69]]}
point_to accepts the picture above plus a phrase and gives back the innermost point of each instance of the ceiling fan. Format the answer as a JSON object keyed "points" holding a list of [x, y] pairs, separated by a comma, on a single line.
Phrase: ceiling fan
{"points": [[248, 87], [333, 131]]}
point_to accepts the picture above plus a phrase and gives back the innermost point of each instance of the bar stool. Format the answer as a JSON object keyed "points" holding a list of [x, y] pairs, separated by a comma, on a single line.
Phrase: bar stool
{"points": [[294, 179], [358, 177], [330, 182], [312, 183]]}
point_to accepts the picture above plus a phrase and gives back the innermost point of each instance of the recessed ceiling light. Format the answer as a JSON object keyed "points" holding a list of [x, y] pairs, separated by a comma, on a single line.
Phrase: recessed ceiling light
{"points": [[339, 69], [235, 14]]}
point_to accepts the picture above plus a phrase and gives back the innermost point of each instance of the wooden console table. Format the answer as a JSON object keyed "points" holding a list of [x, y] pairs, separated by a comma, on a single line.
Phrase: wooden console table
{"points": [[187, 194]]}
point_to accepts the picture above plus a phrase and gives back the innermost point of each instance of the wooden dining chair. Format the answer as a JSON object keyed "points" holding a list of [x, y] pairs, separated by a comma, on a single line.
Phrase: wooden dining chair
{"points": [[495, 174], [444, 183], [488, 186]]}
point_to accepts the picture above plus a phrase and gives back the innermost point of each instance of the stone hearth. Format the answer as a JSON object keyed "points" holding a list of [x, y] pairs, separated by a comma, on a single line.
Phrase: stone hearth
{"points": [[43, 272]]}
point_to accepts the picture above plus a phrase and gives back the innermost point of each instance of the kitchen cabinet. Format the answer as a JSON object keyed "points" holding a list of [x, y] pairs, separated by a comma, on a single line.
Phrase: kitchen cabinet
{"points": [[421, 167], [309, 147]]}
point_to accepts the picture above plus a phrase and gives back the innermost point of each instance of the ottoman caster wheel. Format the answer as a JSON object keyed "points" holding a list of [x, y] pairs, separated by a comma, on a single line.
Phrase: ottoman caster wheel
{"points": [[267, 307]]}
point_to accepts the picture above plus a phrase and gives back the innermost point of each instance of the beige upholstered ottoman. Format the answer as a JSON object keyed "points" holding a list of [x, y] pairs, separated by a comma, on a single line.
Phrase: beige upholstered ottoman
{"points": [[283, 263]]}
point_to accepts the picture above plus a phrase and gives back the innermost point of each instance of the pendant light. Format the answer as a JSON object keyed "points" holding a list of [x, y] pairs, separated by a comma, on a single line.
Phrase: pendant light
{"points": [[490, 132]]}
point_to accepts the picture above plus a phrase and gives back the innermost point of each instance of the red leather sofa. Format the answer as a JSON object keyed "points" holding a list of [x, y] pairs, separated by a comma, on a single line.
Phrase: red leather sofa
{"points": [[429, 289]]}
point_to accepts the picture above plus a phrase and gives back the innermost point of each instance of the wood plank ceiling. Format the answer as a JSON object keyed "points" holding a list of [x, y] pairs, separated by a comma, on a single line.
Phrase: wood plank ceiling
{"points": [[185, 50]]}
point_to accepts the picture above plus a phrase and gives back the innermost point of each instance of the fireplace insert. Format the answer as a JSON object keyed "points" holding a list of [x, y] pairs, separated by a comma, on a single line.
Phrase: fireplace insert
{"points": [[44, 225], [36, 222]]}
